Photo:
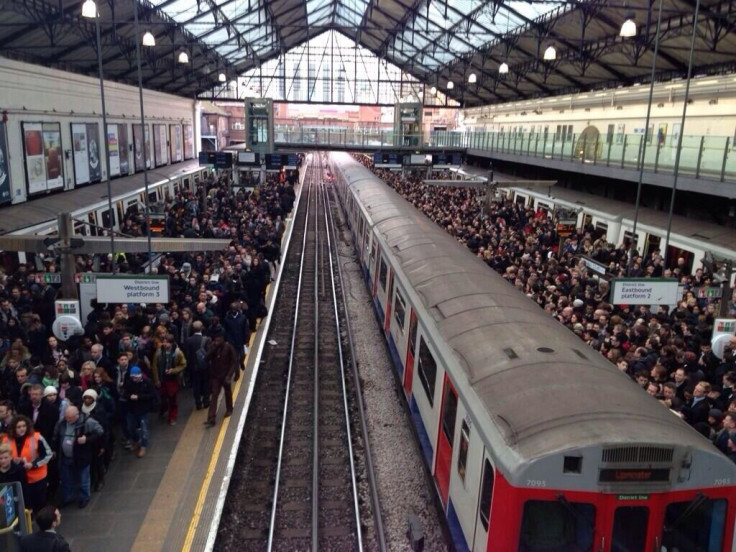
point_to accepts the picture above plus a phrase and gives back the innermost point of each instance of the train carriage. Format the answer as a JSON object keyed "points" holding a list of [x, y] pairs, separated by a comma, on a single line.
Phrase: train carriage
{"points": [[534, 441]]}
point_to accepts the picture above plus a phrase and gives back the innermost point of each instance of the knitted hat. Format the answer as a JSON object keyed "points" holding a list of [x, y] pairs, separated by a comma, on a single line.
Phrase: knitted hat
{"points": [[90, 393], [50, 390], [135, 371]]}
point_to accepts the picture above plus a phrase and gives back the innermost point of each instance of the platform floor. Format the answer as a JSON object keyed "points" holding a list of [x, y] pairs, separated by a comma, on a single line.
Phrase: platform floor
{"points": [[42, 209]]}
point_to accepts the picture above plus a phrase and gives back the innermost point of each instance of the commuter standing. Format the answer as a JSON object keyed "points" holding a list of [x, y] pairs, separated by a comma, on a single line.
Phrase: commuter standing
{"points": [[168, 363], [138, 393], [223, 362]]}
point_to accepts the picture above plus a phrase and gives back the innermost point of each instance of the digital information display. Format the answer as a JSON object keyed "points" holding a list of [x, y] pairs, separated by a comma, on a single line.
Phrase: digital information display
{"points": [[446, 160], [387, 160], [206, 157], [249, 158], [223, 160], [634, 475]]}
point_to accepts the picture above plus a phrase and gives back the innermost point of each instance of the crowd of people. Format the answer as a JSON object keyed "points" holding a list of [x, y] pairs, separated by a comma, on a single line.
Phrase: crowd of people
{"points": [[68, 409], [667, 351]]}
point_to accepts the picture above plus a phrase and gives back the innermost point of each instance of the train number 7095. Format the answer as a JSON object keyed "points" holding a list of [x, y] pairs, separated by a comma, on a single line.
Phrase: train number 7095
{"points": [[536, 483]]}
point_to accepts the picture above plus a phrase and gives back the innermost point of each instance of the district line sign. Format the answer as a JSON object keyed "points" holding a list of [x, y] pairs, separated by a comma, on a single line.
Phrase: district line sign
{"points": [[132, 289], [645, 291]]}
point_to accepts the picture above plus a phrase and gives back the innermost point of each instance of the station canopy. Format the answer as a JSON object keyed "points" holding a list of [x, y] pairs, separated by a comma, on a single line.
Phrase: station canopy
{"points": [[455, 46]]}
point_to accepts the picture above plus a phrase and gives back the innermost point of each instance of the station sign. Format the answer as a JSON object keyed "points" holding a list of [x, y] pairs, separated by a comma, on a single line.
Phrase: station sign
{"points": [[278, 161], [132, 289], [390, 160], [594, 265], [67, 307], [645, 291], [206, 158], [708, 292], [249, 158], [446, 160], [223, 160], [632, 497], [418, 159], [48, 277]]}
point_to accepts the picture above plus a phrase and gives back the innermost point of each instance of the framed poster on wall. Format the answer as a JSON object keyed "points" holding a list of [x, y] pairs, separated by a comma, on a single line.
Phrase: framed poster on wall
{"points": [[80, 155], [123, 149], [43, 157], [138, 133], [188, 142], [160, 146], [5, 190], [95, 152], [113, 148], [176, 143]]}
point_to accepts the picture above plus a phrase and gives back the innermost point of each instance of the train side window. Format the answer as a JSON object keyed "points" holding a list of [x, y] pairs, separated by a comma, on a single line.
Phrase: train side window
{"points": [[449, 414], [427, 370], [698, 524], [486, 493], [399, 310], [557, 525], [383, 273], [462, 456], [413, 335]]}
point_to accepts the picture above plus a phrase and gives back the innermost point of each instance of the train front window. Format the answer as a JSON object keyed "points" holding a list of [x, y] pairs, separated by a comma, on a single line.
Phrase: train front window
{"points": [[695, 525], [557, 526], [630, 529]]}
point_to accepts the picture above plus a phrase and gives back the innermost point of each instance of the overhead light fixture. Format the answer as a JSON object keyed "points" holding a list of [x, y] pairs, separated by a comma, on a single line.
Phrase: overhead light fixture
{"points": [[433, 91], [183, 57], [550, 54], [89, 9], [222, 77], [503, 68], [450, 85], [472, 78], [148, 39], [628, 29]]}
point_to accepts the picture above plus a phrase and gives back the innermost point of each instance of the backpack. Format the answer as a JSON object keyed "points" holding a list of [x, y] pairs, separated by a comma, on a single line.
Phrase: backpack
{"points": [[201, 355]]}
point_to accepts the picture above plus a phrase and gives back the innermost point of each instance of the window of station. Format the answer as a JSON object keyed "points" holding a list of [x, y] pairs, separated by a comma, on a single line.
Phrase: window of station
{"points": [[427, 370], [609, 134], [698, 524], [462, 455], [383, 273], [449, 413], [399, 310], [486, 494], [558, 525]]}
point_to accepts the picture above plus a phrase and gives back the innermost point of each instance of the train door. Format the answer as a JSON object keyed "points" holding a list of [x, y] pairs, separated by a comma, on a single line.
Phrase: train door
{"points": [[480, 539], [445, 439], [373, 265], [410, 352], [380, 287], [674, 254], [103, 218], [389, 299], [397, 325]]}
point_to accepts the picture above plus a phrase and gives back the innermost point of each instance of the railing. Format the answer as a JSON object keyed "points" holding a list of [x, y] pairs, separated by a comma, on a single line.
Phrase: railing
{"points": [[364, 138], [701, 156]]}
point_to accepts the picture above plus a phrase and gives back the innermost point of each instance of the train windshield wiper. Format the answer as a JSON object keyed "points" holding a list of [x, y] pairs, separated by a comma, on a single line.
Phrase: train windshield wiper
{"points": [[693, 506]]}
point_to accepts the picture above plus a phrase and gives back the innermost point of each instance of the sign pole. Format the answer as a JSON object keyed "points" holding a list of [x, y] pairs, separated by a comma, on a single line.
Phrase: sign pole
{"points": [[726, 295], [66, 230]]}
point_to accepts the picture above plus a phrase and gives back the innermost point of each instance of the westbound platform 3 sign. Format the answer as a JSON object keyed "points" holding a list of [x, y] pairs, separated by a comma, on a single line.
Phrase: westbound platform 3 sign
{"points": [[132, 289], [645, 291]]}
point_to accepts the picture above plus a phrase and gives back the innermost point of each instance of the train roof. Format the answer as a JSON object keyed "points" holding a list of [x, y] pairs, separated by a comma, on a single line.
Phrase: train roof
{"points": [[542, 388]]}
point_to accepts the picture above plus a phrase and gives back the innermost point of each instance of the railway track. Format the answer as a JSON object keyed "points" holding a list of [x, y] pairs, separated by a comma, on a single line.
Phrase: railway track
{"points": [[297, 482]]}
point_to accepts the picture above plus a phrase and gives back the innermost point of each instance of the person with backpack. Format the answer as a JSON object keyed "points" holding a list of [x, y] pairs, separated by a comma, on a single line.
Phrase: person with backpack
{"points": [[195, 350], [168, 362], [139, 395]]}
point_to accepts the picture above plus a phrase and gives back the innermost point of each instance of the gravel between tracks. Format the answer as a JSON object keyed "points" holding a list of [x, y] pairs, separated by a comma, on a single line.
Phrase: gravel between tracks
{"points": [[403, 486]]}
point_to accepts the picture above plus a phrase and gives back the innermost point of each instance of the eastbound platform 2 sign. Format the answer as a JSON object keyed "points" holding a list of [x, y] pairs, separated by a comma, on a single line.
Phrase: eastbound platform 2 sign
{"points": [[132, 289], [645, 291]]}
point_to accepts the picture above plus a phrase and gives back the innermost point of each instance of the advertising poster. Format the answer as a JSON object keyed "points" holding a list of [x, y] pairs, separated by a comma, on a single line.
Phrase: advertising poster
{"points": [[5, 195], [123, 149], [81, 157], [160, 146], [188, 142], [149, 152], [113, 147], [35, 164], [138, 147], [95, 152], [53, 155], [176, 144]]}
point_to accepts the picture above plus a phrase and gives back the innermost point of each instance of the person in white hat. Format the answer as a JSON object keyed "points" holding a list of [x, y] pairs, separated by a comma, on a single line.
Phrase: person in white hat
{"points": [[96, 410]]}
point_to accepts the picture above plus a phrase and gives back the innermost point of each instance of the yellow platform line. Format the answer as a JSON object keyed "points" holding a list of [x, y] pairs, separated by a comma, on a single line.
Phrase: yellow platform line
{"points": [[194, 523]]}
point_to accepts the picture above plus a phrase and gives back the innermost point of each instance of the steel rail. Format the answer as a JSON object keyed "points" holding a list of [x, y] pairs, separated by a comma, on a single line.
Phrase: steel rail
{"points": [[377, 517], [315, 413], [274, 506]]}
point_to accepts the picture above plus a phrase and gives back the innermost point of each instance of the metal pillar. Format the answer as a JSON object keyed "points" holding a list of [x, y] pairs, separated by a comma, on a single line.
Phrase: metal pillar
{"points": [[68, 261]]}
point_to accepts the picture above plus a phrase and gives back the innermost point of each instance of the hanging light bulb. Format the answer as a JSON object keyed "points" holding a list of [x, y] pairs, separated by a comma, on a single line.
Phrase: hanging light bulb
{"points": [[503, 68], [222, 77], [628, 29], [89, 9], [433, 91], [450, 85], [550, 54], [148, 39], [472, 78], [183, 57]]}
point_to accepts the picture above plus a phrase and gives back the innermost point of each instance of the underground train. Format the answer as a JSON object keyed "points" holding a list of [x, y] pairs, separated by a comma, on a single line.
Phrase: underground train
{"points": [[98, 214], [534, 441], [690, 239]]}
